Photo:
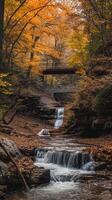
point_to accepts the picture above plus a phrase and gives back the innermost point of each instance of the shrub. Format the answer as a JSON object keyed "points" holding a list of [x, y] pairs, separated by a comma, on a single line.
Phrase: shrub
{"points": [[103, 101]]}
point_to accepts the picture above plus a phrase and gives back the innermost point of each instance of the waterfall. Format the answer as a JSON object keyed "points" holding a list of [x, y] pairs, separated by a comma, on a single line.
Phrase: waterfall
{"points": [[68, 159], [66, 165], [40, 155], [59, 117]]}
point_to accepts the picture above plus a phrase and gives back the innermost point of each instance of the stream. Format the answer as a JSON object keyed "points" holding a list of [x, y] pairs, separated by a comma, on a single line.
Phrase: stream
{"points": [[71, 168], [68, 163]]}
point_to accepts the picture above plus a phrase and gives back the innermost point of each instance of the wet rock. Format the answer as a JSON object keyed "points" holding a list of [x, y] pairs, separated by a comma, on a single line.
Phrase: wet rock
{"points": [[33, 178], [39, 176], [11, 148], [30, 152], [10, 176], [100, 166], [101, 175], [95, 166], [33, 175], [84, 177]]}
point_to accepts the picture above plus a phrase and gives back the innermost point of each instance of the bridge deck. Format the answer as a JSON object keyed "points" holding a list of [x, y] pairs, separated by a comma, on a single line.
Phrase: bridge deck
{"points": [[66, 70]]}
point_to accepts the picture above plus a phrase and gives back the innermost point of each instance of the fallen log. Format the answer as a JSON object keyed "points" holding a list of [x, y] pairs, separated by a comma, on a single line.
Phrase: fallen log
{"points": [[10, 114], [10, 108], [19, 171]]}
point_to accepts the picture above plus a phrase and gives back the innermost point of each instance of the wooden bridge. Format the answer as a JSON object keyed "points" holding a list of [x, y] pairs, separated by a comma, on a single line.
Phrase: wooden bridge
{"points": [[59, 70]]}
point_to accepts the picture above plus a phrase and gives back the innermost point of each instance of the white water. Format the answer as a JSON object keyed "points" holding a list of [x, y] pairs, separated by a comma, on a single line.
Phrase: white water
{"points": [[65, 167], [44, 133], [59, 117], [65, 182]]}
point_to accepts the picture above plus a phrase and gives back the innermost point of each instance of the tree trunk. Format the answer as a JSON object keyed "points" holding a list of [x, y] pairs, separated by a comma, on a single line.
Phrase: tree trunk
{"points": [[28, 75], [2, 2]]}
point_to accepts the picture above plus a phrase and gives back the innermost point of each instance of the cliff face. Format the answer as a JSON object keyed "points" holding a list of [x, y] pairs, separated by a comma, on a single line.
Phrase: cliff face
{"points": [[92, 104]]}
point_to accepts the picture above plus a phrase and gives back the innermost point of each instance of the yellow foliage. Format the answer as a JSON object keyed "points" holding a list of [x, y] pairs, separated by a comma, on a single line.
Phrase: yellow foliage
{"points": [[42, 23], [77, 43], [4, 85], [50, 29]]}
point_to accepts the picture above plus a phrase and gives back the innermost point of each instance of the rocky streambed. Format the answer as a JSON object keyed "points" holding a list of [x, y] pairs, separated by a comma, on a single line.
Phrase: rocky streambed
{"points": [[63, 169], [13, 164]]}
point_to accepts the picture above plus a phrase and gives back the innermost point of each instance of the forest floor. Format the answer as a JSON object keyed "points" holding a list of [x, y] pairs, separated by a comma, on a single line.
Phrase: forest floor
{"points": [[27, 129], [26, 132]]}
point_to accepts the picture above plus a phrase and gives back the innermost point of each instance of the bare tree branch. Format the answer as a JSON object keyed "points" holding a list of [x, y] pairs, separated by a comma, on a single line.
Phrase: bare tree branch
{"points": [[41, 8], [21, 18], [13, 26], [14, 14]]}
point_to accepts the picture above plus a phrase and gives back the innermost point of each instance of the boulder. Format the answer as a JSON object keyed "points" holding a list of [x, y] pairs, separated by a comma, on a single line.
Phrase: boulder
{"points": [[30, 152], [11, 148], [33, 175], [44, 133], [100, 166], [93, 176], [10, 172], [39, 176]]}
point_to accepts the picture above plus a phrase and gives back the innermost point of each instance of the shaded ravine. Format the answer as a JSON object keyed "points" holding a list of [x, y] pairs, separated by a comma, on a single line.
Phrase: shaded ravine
{"points": [[72, 174], [69, 181]]}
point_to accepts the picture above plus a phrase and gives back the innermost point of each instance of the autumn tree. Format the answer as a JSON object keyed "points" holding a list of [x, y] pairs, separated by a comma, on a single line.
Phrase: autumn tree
{"points": [[98, 16], [40, 16], [36, 31]]}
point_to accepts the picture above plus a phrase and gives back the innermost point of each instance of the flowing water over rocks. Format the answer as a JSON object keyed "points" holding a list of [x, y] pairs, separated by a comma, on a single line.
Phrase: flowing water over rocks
{"points": [[59, 117], [72, 174]]}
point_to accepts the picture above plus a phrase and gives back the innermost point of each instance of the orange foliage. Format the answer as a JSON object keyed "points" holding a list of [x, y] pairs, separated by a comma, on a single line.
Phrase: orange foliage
{"points": [[32, 31]]}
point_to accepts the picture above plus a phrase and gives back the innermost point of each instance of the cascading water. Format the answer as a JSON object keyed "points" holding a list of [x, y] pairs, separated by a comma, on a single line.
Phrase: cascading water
{"points": [[69, 165], [45, 133], [59, 117], [64, 165], [67, 159]]}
